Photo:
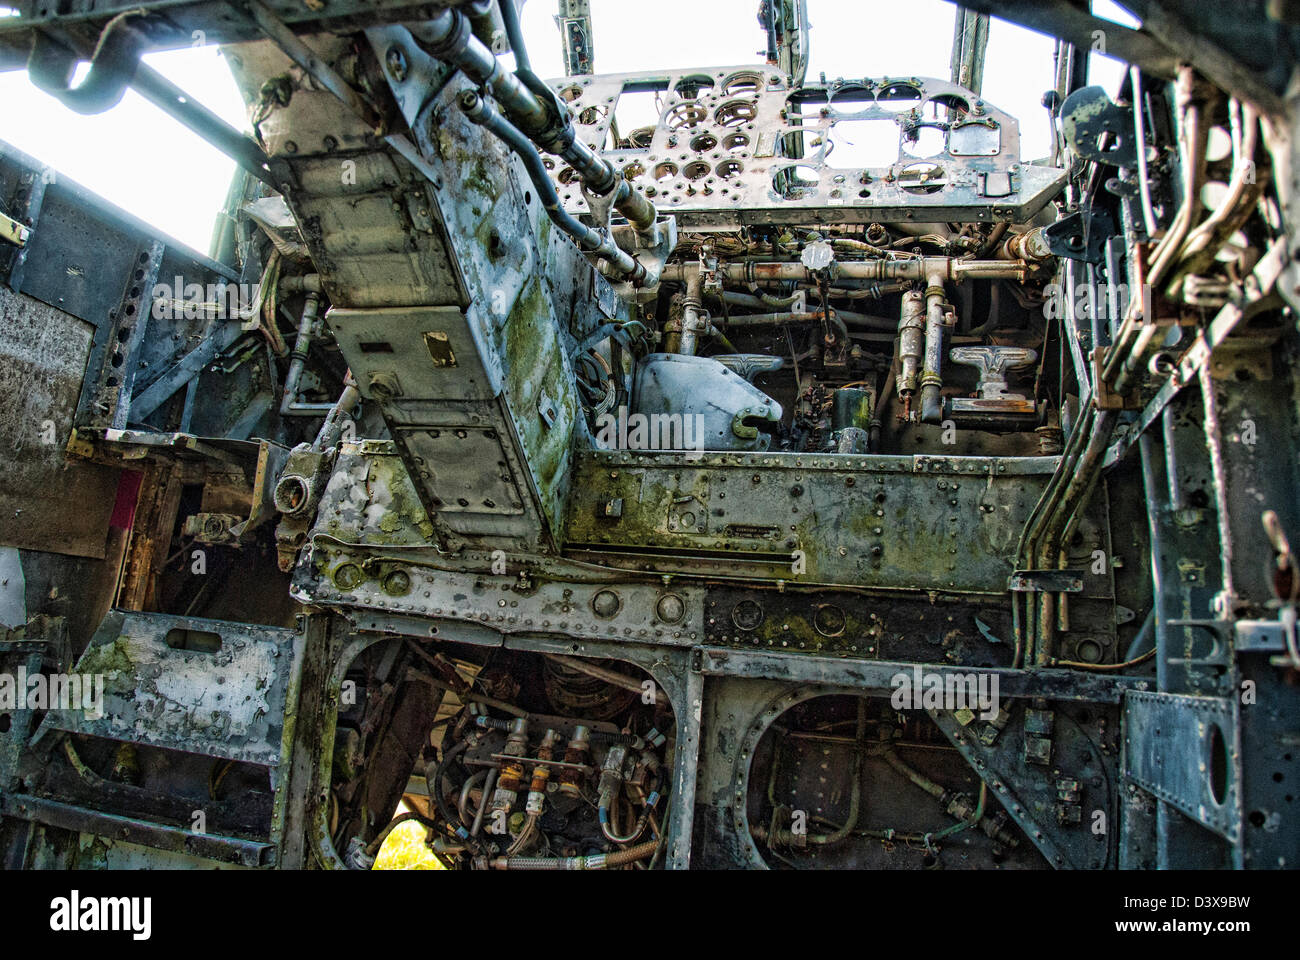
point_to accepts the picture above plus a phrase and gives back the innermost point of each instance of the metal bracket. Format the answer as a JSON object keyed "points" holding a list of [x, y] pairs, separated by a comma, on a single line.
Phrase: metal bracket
{"points": [[1080, 236], [1186, 751], [1046, 581], [1086, 115]]}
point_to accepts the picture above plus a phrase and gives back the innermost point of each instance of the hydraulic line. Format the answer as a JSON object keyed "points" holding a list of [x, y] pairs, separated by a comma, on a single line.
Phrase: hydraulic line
{"points": [[470, 784], [433, 781], [601, 245], [956, 805], [448, 37], [922, 781], [1195, 136], [882, 324], [1144, 635], [515, 34], [936, 327], [765, 299], [113, 65], [637, 829], [1073, 499], [1225, 601], [882, 403], [842, 832], [308, 330], [1204, 243], [918, 268], [1026, 632], [1023, 628], [1042, 539], [484, 801], [602, 861], [1104, 667], [1124, 358], [373, 847], [1140, 144]]}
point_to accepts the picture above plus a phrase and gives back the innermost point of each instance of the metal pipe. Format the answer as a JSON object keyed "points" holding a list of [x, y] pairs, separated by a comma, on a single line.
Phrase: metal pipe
{"points": [[1226, 599], [599, 244], [515, 34], [1073, 499], [855, 791], [600, 673], [603, 861], [51, 66], [308, 328], [1143, 636], [1204, 243], [170, 98], [302, 283], [469, 785], [1195, 134], [1024, 628], [448, 37], [433, 774], [775, 319], [916, 268], [911, 347], [760, 299], [691, 317], [115, 65], [1150, 467], [1140, 149], [922, 781], [484, 801], [936, 327], [469, 696], [332, 428], [1172, 482], [1124, 358]]}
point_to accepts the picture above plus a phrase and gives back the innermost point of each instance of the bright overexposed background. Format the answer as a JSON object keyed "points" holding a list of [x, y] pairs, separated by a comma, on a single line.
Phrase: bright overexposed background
{"points": [[144, 161]]}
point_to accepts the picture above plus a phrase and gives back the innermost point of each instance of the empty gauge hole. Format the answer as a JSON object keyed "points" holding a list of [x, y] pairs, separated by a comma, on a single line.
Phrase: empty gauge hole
{"points": [[736, 142], [742, 83], [898, 97], [797, 182], [729, 168], [735, 113], [684, 116], [690, 87], [922, 178], [924, 141]]}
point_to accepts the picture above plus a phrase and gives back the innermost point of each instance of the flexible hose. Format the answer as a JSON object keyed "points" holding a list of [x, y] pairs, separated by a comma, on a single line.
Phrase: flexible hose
{"points": [[373, 847], [433, 780], [603, 861]]}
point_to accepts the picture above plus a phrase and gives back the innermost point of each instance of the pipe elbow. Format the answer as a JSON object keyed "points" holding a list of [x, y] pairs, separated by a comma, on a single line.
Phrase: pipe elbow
{"points": [[112, 68], [931, 404]]}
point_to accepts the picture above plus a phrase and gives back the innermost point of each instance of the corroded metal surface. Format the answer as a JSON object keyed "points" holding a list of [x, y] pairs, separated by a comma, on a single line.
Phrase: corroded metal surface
{"points": [[42, 358]]}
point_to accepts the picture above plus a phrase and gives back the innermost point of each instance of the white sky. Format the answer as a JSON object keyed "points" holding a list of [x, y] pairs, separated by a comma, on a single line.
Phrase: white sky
{"points": [[139, 158]]}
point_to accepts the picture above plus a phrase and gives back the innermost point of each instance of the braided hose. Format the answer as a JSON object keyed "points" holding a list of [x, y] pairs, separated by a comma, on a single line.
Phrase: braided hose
{"points": [[603, 861]]}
